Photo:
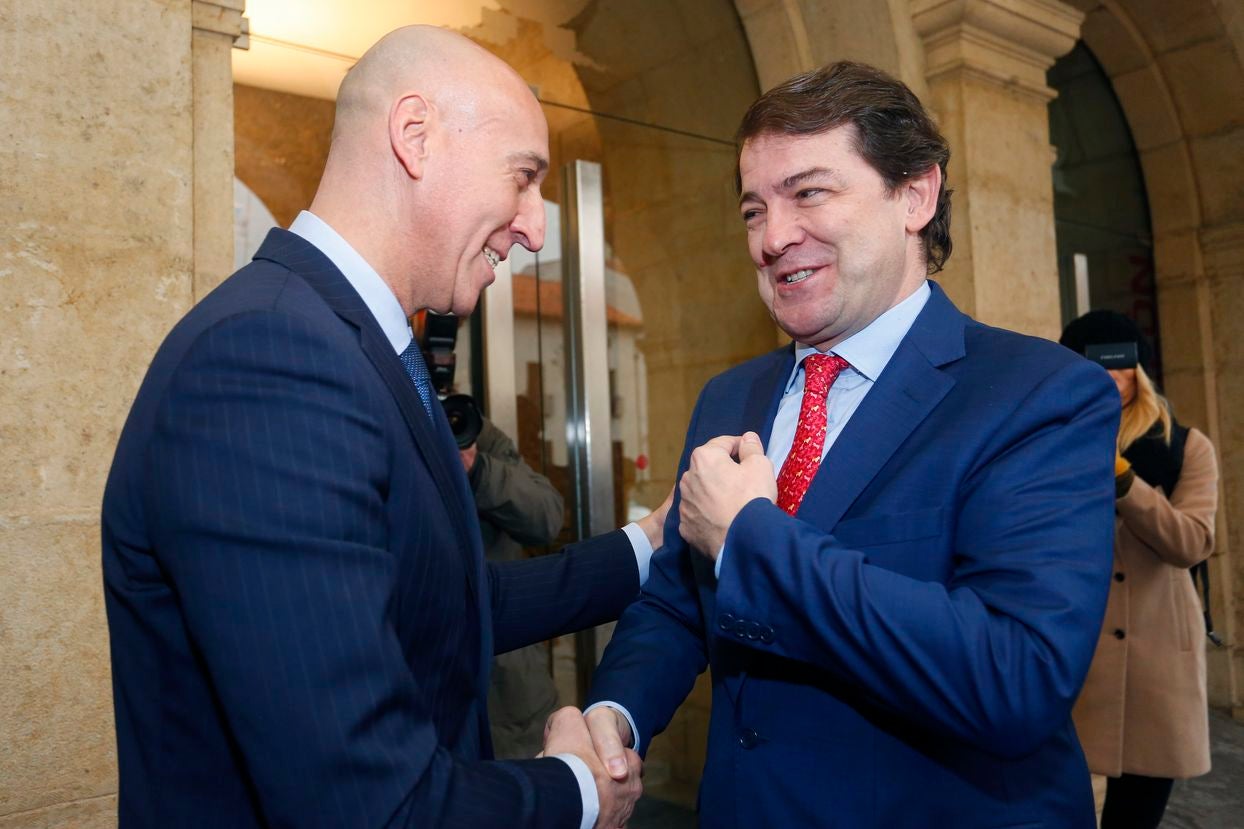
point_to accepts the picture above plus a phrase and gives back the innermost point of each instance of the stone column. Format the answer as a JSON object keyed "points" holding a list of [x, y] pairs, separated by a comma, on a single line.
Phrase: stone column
{"points": [[986, 62], [100, 226], [1221, 294], [217, 25]]}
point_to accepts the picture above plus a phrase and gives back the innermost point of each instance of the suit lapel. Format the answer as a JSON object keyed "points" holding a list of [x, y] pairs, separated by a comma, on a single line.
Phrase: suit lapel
{"points": [[909, 389], [765, 394], [294, 252]]}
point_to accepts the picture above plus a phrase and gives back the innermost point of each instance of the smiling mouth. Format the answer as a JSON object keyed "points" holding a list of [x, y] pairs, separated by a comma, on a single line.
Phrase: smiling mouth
{"points": [[494, 258], [797, 276]]}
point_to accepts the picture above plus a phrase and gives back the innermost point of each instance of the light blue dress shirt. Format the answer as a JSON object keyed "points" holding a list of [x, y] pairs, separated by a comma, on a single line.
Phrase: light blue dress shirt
{"points": [[869, 352], [382, 302]]}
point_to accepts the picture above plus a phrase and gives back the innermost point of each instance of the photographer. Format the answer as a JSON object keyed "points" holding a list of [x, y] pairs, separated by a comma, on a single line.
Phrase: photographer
{"points": [[1142, 716], [517, 506]]}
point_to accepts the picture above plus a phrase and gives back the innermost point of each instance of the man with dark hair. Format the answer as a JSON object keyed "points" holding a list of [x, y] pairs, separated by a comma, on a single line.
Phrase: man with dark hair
{"points": [[892, 541]]}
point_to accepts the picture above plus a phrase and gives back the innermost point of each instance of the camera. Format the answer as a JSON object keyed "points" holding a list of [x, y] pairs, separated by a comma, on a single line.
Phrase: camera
{"points": [[437, 335]]}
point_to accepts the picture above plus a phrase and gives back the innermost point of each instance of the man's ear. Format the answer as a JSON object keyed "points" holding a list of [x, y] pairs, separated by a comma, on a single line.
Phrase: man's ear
{"points": [[410, 124], [920, 192]]}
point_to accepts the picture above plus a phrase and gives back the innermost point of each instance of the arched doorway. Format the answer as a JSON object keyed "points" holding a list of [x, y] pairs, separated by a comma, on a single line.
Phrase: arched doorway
{"points": [[1177, 69], [1101, 208]]}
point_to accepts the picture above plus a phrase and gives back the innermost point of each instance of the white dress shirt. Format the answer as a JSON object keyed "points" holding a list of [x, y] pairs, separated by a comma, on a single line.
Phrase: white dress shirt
{"points": [[382, 302]]}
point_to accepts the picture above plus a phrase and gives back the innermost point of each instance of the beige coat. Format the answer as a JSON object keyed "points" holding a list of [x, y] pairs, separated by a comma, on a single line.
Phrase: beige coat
{"points": [[1143, 709]]}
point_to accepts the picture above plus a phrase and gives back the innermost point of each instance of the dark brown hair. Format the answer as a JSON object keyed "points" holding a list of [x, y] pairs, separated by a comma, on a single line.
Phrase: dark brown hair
{"points": [[893, 133]]}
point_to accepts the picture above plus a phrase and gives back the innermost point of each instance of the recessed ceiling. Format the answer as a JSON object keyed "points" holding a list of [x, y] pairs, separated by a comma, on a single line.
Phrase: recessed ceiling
{"points": [[305, 47]]}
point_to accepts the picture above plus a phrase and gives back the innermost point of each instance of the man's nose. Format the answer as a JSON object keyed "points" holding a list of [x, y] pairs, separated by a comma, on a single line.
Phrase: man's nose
{"points": [[782, 230], [529, 224]]}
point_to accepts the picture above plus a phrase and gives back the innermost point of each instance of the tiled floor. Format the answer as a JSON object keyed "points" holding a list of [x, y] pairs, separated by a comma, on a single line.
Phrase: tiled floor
{"points": [[1215, 801]]}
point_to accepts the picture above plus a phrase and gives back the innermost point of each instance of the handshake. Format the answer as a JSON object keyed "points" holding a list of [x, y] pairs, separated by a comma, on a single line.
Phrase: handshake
{"points": [[599, 739]]}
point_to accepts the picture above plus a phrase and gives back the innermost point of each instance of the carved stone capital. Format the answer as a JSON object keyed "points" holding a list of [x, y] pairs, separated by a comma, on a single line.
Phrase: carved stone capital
{"points": [[222, 17], [1010, 43]]}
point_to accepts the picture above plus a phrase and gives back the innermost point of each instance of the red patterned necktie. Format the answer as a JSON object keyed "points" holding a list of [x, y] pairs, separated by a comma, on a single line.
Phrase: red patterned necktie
{"points": [[819, 373]]}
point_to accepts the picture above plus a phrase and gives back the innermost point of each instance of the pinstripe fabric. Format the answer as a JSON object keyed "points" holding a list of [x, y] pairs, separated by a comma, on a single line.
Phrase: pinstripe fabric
{"points": [[301, 620]]}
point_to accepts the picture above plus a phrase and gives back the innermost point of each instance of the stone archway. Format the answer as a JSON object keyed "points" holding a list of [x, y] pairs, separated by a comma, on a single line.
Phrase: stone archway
{"points": [[1177, 71], [792, 36]]}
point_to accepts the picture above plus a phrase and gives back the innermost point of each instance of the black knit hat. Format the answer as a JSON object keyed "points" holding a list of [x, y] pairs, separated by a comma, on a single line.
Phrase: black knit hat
{"points": [[1101, 327]]}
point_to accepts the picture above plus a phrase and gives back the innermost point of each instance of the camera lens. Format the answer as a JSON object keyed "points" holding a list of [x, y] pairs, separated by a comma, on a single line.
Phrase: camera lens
{"points": [[464, 418]]}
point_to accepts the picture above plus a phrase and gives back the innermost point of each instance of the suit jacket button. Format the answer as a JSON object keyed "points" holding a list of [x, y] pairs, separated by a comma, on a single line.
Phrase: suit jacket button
{"points": [[748, 738], [753, 631], [726, 621], [1119, 634], [766, 634]]}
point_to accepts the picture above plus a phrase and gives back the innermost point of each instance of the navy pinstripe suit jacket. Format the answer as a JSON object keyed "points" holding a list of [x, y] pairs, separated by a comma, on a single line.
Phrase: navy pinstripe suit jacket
{"points": [[301, 618]]}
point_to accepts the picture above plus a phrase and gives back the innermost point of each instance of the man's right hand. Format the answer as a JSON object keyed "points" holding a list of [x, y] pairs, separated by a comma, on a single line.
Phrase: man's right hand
{"points": [[611, 735], [653, 524], [566, 732]]}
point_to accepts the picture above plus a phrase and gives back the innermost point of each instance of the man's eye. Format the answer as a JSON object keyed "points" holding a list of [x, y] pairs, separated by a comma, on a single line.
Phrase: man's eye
{"points": [[529, 175], [748, 215], [809, 192]]}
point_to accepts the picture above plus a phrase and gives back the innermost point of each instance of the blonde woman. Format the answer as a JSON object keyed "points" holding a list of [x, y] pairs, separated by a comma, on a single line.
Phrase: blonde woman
{"points": [[1142, 717]]}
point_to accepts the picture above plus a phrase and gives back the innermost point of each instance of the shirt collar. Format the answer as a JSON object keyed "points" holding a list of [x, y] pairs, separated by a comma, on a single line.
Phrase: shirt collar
{"points": [[375, 292], [869, 350]]}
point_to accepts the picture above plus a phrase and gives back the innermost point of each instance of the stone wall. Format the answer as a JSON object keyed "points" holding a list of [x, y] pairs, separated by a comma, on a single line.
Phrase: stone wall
{"points": [[99, 121], [280, 143]]}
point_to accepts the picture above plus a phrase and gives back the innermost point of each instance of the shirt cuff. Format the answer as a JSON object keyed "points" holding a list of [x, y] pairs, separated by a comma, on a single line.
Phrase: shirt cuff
{"points": [[642, 547], [629, 719], [587, 789]]}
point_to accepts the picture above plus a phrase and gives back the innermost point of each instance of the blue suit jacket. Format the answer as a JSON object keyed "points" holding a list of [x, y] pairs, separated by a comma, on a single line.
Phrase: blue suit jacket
{"points": [[302, 621], [906, 650]]}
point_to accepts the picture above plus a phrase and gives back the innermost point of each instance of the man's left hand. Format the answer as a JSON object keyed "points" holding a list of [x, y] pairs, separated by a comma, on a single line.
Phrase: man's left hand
{"points": [[716, 487], [468, 456]]}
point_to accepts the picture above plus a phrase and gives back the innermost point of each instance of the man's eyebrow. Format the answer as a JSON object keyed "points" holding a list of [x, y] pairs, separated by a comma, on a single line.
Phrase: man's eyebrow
{"points": [[806, 175], [535, 159], [795, 180]]}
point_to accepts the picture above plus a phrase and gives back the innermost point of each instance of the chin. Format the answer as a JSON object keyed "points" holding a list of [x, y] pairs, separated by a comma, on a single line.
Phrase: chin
{"points": [[465, 306]]}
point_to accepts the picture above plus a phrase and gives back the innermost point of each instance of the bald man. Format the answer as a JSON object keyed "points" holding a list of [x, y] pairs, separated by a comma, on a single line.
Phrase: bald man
{"points": [[301, 619]]}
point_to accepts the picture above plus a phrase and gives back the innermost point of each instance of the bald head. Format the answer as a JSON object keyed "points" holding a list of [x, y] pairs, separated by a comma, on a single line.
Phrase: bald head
{"points": [[457, 76], [438, 152]]}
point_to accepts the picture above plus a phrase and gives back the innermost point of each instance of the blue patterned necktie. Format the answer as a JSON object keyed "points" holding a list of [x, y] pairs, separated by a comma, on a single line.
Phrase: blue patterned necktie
{"points": [[418, 371]]}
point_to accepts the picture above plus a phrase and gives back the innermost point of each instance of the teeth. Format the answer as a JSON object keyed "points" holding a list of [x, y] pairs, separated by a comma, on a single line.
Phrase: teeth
{"points": [[493, 257], [799, 276]]}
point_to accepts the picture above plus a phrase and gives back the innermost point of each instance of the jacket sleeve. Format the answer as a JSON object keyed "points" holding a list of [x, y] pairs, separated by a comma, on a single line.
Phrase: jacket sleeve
{"points": [[511, 495], [1179, 529], [658, 647], [268, 472], [582, 585], [995, 656]]}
